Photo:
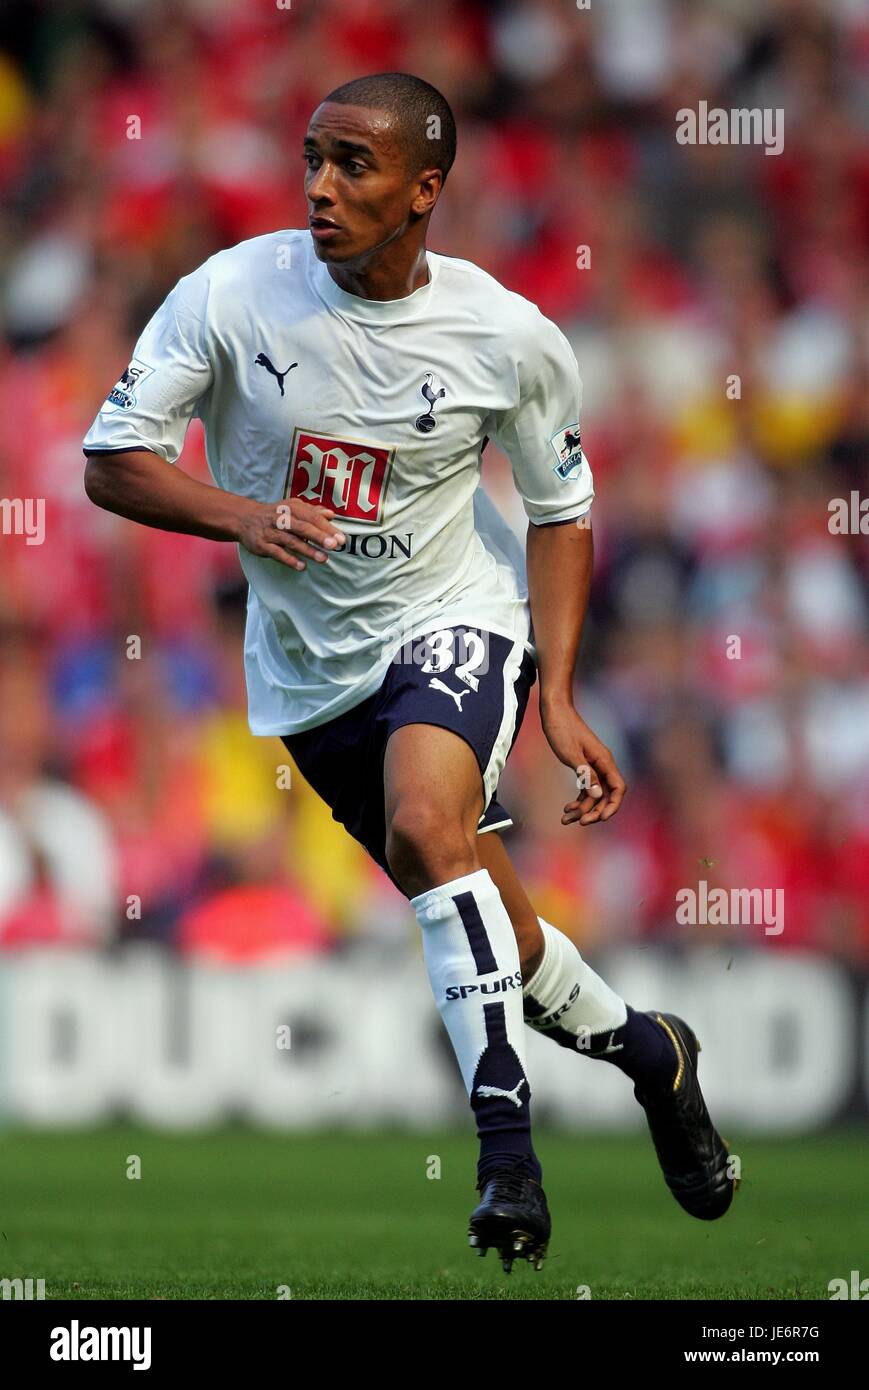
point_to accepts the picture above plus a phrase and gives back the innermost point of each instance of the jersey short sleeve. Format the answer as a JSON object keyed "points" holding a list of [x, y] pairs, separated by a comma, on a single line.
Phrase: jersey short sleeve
{"points": [[152, 403], [540, 435]]}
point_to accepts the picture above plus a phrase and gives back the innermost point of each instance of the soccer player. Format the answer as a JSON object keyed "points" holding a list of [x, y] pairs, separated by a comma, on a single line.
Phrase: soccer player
{"points": [[348, 380]]}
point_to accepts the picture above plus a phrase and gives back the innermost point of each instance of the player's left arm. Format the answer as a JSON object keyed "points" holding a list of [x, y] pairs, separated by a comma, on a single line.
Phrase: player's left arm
{"points": [[541, 437], [560, 560]]}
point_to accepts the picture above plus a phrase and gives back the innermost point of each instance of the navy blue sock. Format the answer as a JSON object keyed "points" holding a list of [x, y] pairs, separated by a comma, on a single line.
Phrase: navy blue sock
{"points": [[641, 1048], [497, 1162], [501, 1101]]}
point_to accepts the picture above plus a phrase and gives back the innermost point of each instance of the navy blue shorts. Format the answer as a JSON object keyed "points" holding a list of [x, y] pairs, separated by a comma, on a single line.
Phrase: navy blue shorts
{"points": [[474, 682]]}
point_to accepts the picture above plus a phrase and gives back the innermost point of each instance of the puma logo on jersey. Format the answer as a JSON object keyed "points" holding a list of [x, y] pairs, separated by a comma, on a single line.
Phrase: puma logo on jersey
{"points": [[262, 361], [457, 695], [490, 1092]]}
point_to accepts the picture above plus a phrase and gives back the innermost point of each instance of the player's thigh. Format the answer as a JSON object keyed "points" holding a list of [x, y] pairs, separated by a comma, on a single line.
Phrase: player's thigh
{"points": [[432, 780]]}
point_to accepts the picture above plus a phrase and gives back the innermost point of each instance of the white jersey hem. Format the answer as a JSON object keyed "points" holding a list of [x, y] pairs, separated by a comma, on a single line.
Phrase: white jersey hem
{"points": [[358, 694]]}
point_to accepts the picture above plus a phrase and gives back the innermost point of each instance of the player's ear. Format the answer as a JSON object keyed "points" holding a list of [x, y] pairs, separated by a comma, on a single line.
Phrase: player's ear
{"points": [[429, 184]]}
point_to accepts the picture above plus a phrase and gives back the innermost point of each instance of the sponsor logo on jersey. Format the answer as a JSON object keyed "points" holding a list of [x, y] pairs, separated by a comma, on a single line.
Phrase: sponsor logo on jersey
{"points": [[568, 450], [493, 987], [123, 393], [432, 390], [262, 361], [344, 474], [383, 543]]}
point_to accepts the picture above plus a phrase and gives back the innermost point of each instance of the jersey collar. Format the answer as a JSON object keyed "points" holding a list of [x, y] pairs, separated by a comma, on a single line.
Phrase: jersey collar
{"points": [[374, 310]]}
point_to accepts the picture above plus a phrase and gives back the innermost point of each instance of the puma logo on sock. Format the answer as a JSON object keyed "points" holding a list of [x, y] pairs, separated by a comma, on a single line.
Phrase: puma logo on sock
{"points": [[489, 1092]]}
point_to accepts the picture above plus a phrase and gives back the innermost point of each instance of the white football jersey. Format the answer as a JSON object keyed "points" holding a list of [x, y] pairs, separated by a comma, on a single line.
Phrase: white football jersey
{"points": [[378, 409]]}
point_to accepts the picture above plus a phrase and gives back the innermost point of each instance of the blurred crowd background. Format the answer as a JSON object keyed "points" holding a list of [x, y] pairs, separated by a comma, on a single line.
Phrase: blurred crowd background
{"points": [[722, 331]]}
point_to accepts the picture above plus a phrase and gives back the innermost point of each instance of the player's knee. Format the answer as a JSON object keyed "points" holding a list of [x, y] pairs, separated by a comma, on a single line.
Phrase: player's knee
{"points": [[426, 846]]}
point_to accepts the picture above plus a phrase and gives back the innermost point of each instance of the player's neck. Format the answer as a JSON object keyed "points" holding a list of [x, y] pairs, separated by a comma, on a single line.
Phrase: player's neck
{"points": [[393, 277]]}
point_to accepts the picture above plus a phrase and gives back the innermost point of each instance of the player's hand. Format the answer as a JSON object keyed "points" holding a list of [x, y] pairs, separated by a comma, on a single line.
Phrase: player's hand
{"points": [[601, 785], [286, 531]]}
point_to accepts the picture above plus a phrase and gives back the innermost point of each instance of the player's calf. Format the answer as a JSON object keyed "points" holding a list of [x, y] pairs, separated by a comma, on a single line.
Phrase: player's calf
{"points": [[473, 965], [568, 1002]]}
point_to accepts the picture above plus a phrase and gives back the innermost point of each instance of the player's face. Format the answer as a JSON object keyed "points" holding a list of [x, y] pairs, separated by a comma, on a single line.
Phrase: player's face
{"points": [[360, 196]]}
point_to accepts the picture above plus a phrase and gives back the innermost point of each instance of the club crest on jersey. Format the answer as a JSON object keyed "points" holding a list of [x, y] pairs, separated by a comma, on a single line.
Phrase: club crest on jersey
{"points": [[340, 473], [568, 450], [123, 393], [432, 390]]}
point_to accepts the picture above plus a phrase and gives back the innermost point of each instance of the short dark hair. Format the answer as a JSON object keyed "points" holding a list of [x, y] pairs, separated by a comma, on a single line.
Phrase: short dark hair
{"points": [[412, 103]]}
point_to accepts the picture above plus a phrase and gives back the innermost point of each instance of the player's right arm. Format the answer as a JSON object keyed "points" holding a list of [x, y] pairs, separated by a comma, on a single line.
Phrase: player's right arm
{"points": [[143, 487], [138, 435]]}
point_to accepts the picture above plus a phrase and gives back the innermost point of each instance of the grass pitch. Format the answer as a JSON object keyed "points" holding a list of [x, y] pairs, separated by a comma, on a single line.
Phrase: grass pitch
{"points": [[236, 1215]]}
